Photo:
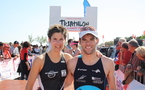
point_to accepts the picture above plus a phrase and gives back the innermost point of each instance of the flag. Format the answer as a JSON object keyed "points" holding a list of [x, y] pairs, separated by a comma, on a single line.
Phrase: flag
{"points": [[86, 4], [103, 36]]}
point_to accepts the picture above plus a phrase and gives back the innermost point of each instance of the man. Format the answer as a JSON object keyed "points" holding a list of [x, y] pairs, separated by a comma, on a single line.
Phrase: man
{"points": [[90, 71], [118, 47], [14, 50], [68, 49], [134, 61], [36, 50]]}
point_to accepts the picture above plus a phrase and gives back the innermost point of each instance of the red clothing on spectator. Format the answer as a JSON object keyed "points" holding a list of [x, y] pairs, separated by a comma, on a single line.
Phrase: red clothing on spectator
{"points": [[127, 56], [6, 54], [24, 54]]}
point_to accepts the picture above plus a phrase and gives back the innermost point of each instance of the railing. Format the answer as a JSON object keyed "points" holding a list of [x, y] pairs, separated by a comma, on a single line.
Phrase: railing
{"points": [[140, 79]]}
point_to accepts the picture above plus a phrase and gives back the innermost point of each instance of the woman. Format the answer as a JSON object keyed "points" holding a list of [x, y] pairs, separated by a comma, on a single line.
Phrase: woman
{"points": [[75, 50], [140, 53], [51, 67], [24, 64]]}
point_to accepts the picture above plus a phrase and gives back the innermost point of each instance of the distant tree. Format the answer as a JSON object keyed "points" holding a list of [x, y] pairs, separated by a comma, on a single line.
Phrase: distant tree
{"points": [[117, 37], [109, 43], [41, 40], [142, 37], [128, 38], [30, 37]]}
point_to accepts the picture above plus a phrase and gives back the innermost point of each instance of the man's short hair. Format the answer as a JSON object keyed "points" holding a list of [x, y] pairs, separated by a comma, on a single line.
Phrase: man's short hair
{"points": [[69, 41], [122, 40], [16, 42], [133, 43]]}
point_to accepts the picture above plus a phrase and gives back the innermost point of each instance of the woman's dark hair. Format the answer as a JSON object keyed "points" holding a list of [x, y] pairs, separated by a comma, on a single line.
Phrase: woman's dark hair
{"points": [[125, 45], [57, 29], [26, 44]]}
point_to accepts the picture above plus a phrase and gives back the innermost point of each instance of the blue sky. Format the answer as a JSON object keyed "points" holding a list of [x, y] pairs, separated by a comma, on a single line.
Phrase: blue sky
{"points": [[116, 18]]}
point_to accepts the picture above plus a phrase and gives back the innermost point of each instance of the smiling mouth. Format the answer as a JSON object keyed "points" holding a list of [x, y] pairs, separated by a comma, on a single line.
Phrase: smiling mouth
{"points": [[58, 47]]}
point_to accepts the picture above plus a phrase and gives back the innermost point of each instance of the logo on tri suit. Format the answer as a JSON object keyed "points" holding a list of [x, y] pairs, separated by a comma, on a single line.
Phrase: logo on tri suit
{"points": [[62, 61], [80, 79], [51, 74], [96, 71], [82, 69], [63, 73], [97, 80]]}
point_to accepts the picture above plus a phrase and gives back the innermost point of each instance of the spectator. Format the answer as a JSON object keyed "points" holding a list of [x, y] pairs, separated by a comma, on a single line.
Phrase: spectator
{"points": [[40, 49], [30, 51], [140, 53], [43, 49], [24, 64], [125, 54], [111, 52], [10, 43], [6, 53], [19, 48], [14, 49], [68, 48], [134, 61], [36, 49], [75, 50], [118, 47]]}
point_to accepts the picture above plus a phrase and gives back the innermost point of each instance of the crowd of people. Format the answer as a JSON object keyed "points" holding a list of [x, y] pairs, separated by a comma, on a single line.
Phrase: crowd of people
{"points": [[78, 64], [130, 56], [22, 51]]}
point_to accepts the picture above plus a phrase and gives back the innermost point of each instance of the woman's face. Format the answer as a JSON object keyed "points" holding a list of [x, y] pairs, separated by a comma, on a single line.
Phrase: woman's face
{"points": [[73, 46], [57, 41]]}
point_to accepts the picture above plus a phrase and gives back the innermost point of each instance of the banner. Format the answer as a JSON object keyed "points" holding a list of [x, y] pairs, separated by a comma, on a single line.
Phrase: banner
{"points": [[134, 85], [8, 68]]}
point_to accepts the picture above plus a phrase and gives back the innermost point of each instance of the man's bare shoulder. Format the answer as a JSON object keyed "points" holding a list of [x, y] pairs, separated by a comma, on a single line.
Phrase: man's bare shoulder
{"points": [[67, 56], [73, 61], [107, 60]]}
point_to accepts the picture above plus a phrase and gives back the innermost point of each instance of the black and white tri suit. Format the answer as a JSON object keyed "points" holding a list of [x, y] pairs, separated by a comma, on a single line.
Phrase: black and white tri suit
{"points": [[89, 77], [52, 75]]}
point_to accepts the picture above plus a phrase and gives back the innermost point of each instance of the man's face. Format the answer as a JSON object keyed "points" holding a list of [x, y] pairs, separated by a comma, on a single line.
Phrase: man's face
{"points": [[16, 45], [130, 48], [88, 43]]}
